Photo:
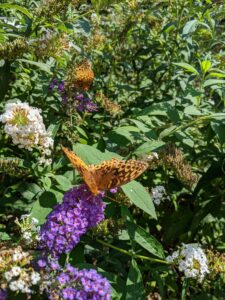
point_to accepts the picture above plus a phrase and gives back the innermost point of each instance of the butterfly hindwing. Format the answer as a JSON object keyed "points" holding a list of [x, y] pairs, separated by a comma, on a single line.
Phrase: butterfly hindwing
{"points": [[115, 172]]}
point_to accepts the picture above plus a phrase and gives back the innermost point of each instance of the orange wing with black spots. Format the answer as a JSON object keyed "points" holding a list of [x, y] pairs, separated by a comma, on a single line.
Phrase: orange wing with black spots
{"points": [[109, 174], [113, 173], [75, 160], [84, 170]]}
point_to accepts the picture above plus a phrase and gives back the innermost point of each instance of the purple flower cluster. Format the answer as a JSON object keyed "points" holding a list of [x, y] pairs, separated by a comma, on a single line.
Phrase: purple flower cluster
{"points": [[82, 103], [85, 104], [3, 294], [61, 88], [71, 283], [69, 220]]}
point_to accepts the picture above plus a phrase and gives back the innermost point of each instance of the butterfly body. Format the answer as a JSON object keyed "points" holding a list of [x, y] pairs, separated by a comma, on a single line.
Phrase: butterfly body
{"points": [[109, 174]]}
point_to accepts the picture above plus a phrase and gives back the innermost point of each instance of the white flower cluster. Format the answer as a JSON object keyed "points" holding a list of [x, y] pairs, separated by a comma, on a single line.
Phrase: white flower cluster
{"points": [[16, 275], [191, 260], [18, 255], [25, 125], [20, 279], [29, 228], [153, 156], [159, 194]]}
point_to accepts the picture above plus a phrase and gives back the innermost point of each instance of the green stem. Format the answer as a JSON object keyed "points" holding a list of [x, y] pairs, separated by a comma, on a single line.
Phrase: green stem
{"points": [[200, 119], [184, 289], [84, 14], [130, 253], [67, 258]]}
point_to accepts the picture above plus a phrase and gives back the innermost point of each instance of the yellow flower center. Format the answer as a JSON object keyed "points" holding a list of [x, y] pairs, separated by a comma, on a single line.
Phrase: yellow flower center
{"points": [[19, 117]]}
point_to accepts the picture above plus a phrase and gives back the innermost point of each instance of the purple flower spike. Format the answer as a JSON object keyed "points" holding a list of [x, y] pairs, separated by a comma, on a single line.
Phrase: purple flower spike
{"points": [[53, 83], [41, 263], [85, 104], [69, 293], [3, 294], [64, 98], [69, 220], [80, 97], [73, 284], [63, 278], [61, 86]]}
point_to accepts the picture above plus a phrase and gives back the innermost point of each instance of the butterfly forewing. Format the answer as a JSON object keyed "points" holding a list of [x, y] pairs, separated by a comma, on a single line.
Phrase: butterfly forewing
{"points": [[115, 172], [84, 170], [75, 160]]}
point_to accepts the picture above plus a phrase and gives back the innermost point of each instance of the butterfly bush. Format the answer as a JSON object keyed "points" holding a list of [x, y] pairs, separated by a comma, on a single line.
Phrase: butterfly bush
{"points": [[83, 103], [79, 102], [24, 124], [71, 283], [69, 220], [191, 260]]}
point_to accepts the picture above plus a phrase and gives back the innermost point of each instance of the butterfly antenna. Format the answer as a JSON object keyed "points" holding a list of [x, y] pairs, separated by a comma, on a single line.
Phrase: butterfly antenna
{"points": [[112, 199]]}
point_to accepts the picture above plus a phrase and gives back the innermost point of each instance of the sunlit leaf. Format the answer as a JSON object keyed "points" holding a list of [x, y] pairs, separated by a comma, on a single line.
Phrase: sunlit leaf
{"points": [[140, 197], [187, 67]]}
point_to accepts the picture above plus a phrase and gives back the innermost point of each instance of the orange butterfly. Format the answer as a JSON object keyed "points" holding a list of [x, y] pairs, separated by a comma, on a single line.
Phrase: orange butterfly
{"points": [[108, 174]]}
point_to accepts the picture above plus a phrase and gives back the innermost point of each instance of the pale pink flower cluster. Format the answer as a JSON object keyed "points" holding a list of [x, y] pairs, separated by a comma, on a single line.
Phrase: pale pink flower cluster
{"points": [[25, 125]]}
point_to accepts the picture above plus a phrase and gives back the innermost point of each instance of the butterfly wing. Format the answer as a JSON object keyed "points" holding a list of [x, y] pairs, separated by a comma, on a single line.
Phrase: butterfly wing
{"points": [[83, 169], [75, 160], [113, 173]]}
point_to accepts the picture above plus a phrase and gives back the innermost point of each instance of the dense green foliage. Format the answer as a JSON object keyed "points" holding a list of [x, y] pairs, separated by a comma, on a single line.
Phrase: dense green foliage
{"points": [[159, 74]]}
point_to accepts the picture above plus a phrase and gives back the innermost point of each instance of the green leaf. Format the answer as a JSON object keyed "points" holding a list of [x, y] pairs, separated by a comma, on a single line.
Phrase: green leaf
{"points": [[53, 128], [145, 240], [192, 110], [169, 27], [43, 206], [140, 197], [187, 67], [64, 183], [91, 155], [167, 131], [124, 135], [82, 132], [213, 82], [46, 182], [44, 67], [206, 65], [100, 4], [142, 127], [219, 129], [22, 9], [4, 236], [29, 191], [215, 74], [149, 147], [135, 288], [205, 296], [159, 109], [190, 26]]}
